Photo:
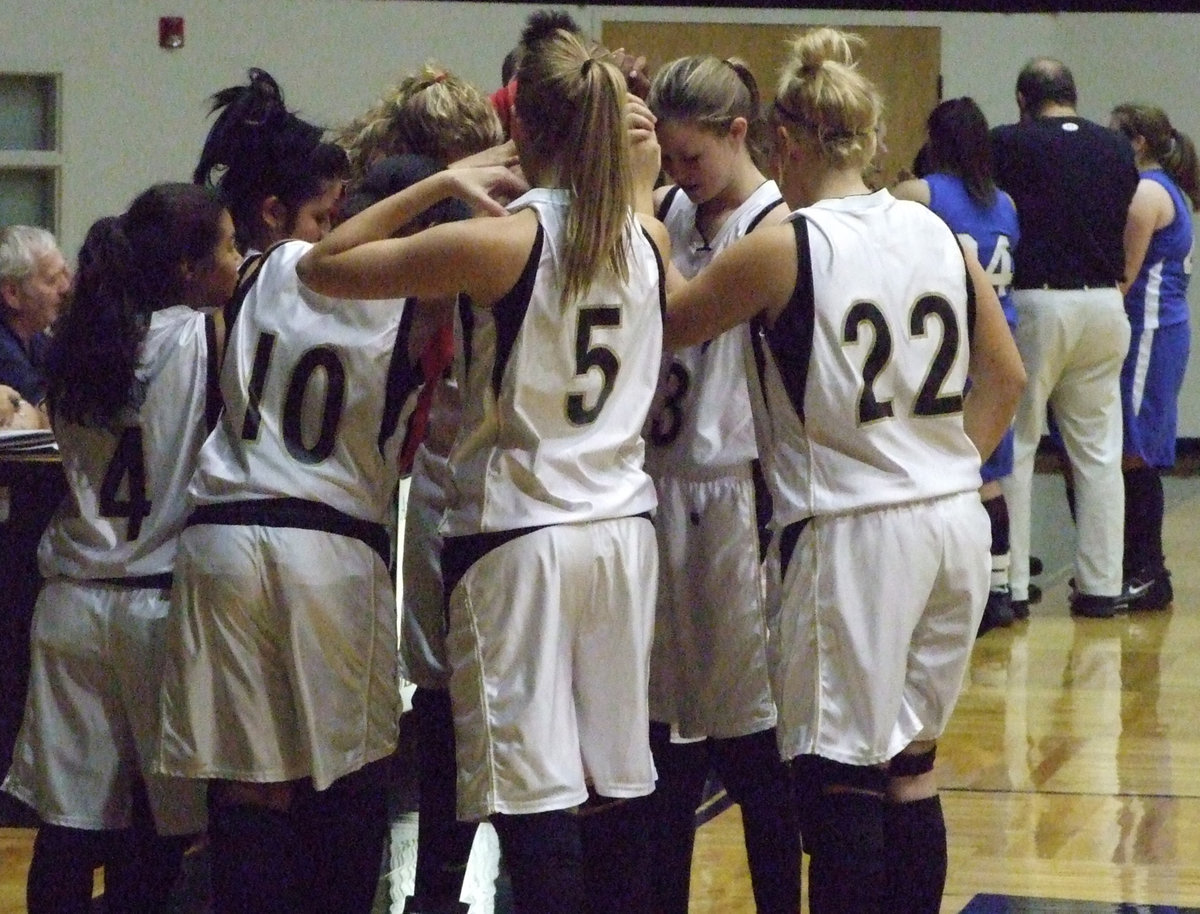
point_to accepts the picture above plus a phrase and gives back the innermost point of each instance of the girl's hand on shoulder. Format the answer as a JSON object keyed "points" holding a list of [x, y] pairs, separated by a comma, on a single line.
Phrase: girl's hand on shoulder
{"points": [[504, 154], [486, 189]]}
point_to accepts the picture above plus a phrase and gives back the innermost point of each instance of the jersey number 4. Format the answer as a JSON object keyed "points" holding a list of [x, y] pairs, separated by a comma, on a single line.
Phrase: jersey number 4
{"points": [[930, 400], [1000, 267], [126, 473]]}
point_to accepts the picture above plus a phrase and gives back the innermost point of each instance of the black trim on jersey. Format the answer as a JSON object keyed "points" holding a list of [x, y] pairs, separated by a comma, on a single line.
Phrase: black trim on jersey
{"points": [[466, 319], [762, 214], [970, 310], [662, 279], [762, 507], [787, 543], [664, 206], [509, 310], [295, 512], [212, 373], [791, 337], [403, 378], [248, 271], [139, 581], [459, 553]]}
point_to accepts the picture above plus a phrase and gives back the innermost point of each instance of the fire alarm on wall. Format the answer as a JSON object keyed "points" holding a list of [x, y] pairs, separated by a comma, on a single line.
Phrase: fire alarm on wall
{"points": [[170, 32]]}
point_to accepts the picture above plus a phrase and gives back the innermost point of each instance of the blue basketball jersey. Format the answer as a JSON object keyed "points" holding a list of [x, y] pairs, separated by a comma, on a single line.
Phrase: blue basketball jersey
{"points": [[1158, 297], [990, 231]]}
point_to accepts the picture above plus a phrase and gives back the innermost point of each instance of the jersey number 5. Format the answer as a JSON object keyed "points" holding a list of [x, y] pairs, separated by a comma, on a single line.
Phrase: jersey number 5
{"points": [[930, 399], [588, 357]]}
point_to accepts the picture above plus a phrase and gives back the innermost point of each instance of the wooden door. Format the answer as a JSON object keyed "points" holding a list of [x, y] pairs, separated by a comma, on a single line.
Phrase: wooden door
{"points": [[904, 62]]}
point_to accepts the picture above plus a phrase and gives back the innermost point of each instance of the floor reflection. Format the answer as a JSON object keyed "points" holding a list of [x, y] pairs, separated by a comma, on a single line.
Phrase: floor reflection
{"points": [[1008, 904]]}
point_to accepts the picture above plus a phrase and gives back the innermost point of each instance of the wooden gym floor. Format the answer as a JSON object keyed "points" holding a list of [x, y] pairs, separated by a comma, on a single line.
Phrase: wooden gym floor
{"points": [[1070, 772]]}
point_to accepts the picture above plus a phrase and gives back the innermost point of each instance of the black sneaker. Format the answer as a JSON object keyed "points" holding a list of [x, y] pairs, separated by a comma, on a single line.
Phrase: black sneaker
{"points": [[1020, 608], [997, 612], [1091, 606], [1131, 589], [1150, 593], [1035, 566]]}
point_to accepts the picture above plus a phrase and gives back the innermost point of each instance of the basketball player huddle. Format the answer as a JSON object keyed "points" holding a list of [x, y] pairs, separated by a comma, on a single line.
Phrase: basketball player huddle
{"points": [[695, 468]]}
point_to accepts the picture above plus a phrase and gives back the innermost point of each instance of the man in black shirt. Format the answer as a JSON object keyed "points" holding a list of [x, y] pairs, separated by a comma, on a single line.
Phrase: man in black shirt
{"points": [[1072, 181]]}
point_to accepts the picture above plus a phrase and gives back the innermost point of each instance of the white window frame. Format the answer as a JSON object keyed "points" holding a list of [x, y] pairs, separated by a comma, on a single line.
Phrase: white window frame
{"points": [[46, 162]]}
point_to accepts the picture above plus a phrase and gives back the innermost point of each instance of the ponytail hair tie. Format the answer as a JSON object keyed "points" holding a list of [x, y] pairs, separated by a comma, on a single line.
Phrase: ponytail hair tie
{"points": [[585, 68]]}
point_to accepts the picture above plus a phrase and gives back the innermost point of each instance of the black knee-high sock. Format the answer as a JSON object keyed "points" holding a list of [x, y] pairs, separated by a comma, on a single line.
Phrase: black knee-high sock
{"points": [[1144, 508], [141, 866], [344, 831], [915, 835], [759, 782], [616, 860], [255, 860], [443, 843], [140, 870], [840, 809], [682, 771], [847, 871], [544, 856], [997, 511], [61, 871]]}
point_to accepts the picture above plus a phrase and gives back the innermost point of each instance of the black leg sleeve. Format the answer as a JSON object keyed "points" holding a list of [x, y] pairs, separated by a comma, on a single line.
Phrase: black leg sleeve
{"points": [[616, 855], [759, 781], [61, 870], [915, 835], [255, 858], [842, 811], [544, 857], [443, 843], [682, 772], [344, 831]]}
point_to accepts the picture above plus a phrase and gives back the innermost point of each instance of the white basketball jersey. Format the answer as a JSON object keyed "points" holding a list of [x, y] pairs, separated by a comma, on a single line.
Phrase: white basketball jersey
{"points": [[702, 419], [317, 394], [128, 498], [555, 395], [863, 375]]}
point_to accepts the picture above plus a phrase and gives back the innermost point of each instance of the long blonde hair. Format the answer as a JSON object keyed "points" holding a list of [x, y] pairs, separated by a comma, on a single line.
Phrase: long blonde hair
{"points": [[571, 106], [431, 112], [822, 92]]}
